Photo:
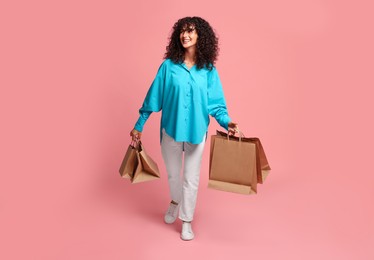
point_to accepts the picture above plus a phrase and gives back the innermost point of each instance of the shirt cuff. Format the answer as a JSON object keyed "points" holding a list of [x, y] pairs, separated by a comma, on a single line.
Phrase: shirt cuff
{"points": [[139, 124], [225, 122]]}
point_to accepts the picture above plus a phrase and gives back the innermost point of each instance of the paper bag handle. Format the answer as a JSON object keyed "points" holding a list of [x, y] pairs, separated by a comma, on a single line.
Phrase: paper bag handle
{"points": [[240, 134], [135, 143]]}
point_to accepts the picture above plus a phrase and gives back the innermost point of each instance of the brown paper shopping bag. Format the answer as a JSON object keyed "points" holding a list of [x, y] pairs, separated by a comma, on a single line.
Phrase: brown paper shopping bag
{"points": [[262, 164], [129, 162], [147, 169], [232, 165]]}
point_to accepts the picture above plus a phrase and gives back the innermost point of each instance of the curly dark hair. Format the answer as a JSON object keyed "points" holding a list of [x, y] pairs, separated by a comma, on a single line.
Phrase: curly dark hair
{"points": [[206, 46]]}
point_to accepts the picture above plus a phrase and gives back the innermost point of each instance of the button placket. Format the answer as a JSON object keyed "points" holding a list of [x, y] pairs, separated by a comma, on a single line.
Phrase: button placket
{"points": [[189, 88], [187, 100]]}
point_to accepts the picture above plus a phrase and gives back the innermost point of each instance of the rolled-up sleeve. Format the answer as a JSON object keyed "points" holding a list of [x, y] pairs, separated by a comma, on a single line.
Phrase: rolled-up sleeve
{"points": [[154, 98], [216, 100]]}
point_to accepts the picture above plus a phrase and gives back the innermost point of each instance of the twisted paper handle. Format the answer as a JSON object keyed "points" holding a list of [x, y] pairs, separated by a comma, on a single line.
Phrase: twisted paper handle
{"points": [[237, 131]]}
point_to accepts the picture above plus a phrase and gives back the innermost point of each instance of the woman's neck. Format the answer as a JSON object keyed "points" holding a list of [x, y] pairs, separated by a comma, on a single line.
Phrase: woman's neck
{"points": [[190, 55]]}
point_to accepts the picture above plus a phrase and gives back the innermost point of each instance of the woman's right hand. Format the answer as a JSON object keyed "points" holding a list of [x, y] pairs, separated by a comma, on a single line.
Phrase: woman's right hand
{"points": [[135, 134], [233, 128]]}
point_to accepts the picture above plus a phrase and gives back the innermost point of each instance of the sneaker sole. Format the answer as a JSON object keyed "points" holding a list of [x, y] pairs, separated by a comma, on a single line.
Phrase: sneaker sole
{"points": [[187, 239]]}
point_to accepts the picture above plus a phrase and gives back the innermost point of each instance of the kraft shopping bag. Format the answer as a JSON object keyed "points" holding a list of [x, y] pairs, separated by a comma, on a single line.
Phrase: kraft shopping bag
{"points": [[147, 169], [262, 164], [129, 162], [233, 165]]}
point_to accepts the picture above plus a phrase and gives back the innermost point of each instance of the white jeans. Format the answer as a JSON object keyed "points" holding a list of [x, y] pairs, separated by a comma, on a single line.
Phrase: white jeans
{"points": [[183, 189]]}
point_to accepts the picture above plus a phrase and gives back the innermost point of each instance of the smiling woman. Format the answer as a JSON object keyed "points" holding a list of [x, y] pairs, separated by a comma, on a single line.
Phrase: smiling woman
{"points": [[188, 90]]}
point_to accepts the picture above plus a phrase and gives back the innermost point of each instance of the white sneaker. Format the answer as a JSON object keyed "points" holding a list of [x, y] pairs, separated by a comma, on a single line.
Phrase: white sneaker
{"points": [[171, 214], [187, 233]]}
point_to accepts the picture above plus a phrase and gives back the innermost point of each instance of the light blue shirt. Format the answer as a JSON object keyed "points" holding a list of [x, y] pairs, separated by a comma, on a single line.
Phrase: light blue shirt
{"points": [[186, 97]]}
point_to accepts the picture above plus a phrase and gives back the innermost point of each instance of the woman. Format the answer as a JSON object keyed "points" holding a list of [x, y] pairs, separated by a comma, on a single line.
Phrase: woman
{"points": [[187, 89]]}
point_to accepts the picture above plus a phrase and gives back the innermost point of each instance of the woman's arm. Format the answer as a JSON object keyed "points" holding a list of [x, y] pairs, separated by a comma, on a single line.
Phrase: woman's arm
{"points": [[152, 102], [216, 101]]}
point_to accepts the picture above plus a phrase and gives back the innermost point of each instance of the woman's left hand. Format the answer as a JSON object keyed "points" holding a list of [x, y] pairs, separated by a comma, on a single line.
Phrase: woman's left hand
{"points": [[233, 128]]}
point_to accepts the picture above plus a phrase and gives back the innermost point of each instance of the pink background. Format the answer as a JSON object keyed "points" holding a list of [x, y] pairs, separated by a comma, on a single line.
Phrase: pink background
{"points": [[297, 74]]}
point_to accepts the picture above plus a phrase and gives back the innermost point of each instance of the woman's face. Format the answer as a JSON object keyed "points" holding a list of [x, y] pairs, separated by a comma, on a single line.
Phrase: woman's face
{"points": [[188, 37]]}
